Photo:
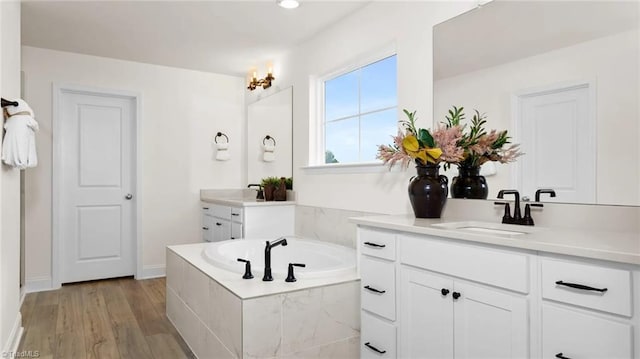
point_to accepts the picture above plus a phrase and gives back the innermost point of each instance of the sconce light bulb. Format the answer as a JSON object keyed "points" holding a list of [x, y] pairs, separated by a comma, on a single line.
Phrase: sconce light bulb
{"points": [[288, 4]]}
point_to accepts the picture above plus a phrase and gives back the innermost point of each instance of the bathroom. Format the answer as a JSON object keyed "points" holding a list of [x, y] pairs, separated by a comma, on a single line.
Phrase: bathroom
{"points": [[146, 53]]}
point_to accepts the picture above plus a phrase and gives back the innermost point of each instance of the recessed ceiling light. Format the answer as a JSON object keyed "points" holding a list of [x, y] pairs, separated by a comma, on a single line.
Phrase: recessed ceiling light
{"points": [[288, 4]]}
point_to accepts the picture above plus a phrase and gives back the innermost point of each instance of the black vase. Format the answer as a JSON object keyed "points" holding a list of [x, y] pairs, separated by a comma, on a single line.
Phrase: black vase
{"points": [[428, 191], [469, 184]]}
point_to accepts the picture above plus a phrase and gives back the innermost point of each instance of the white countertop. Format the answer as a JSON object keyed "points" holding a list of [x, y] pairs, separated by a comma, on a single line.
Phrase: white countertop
{"points": [[623, 247], [238, 198], [250, 288]]}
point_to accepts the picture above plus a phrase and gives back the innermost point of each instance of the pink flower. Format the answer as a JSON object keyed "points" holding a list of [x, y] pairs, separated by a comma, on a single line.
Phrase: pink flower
{"points": [[447, 139]]}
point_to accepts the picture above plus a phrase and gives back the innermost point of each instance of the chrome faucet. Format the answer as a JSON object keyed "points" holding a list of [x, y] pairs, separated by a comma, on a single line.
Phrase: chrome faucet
{"points": [[267, 257]]}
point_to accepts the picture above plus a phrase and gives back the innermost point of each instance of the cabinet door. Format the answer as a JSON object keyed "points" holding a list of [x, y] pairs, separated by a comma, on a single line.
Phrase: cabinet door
{"points": [[221, 229], [489, 323], [426, 314], [236, 230], [576, 334], [207, 228]]}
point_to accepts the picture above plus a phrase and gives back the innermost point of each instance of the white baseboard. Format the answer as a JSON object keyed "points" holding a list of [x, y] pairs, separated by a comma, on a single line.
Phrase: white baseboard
{"points": [[37, 284], [153, 271], [11, 346]]}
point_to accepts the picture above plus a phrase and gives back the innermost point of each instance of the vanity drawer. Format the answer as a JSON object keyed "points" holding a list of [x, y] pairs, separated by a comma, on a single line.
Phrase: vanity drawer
{"points": [[378, 292], [222, 212], [377, 338], [378, 243], [505, 269], [207, 208], [581, 335], [558, 277]]}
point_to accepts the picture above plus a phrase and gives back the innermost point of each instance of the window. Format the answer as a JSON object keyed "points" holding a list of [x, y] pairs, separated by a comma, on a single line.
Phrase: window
{"points": [[359, 112]]}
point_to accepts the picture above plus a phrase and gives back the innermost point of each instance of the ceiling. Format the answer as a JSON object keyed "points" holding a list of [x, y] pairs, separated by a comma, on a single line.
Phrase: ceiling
{"points": [[503, 31], [227, 37]]}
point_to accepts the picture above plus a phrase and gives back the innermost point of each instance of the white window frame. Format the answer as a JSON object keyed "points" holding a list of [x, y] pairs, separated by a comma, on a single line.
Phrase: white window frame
{"points": [[317, 123]]}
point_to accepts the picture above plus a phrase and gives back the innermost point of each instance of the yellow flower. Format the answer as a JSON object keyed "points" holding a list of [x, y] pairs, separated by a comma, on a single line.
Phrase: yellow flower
{"points": [[412, 146]]}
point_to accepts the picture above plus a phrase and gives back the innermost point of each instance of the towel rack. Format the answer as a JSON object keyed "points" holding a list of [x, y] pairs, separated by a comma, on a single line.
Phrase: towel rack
{"points": [[220, 134], [267, 137], [6, 103]]}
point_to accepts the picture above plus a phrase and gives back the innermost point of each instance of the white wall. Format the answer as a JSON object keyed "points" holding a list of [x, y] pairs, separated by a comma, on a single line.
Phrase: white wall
{"points": [[182, 110], [406, 25], [10, 321], [611, 61]]}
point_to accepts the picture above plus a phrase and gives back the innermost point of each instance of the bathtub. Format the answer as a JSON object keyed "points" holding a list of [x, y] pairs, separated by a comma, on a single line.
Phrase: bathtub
{"points": [[322, 259]]}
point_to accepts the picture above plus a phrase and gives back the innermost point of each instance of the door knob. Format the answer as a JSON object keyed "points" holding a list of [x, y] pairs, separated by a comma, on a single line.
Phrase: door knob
{"points": [[128, 196]]}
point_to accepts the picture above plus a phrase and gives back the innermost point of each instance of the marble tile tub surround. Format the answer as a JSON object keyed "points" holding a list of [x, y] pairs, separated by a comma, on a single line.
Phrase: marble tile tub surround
{"points": [[313, 322], [327, 224]]}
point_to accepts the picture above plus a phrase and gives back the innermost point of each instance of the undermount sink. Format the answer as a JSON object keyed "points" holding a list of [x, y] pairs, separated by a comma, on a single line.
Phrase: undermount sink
{"points": [[499, 229]]}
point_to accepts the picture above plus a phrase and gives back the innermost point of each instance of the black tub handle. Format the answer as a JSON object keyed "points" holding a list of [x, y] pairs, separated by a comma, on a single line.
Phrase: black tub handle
{"points": [[581, 286]]}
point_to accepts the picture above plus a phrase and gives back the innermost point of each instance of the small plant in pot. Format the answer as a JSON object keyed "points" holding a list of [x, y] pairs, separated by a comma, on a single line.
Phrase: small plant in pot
{"points": [[269, 184]]}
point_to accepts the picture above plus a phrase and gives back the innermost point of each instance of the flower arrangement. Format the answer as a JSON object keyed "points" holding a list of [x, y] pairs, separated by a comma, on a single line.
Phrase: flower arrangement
{"points": [[421, 145], [477, 145], [450, 143]]}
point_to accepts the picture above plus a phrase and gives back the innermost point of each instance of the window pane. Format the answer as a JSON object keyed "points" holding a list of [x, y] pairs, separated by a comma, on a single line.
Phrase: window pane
{"points": [[376, 129], [341, 141], [341, 96], [379, 85]]}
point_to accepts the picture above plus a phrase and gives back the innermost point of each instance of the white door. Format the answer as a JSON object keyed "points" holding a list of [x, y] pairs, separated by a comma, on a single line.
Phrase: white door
{"points": [[489, 324], [557, 135], [96, 199], [426, 313]]}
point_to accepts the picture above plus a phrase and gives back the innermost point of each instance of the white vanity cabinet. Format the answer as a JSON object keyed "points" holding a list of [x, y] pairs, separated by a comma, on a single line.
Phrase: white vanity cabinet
{"points": [[222, 222], [434, 297]]}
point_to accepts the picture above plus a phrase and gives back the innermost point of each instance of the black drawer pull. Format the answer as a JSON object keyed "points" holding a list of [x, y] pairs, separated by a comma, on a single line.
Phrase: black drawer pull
{"points": [[235, 214], [560, 356], [371, 244], [444, 291], [368, 345], [205, 208], [456, 295], [374, 290], [205, 228], [580, 286], [218, 224]]}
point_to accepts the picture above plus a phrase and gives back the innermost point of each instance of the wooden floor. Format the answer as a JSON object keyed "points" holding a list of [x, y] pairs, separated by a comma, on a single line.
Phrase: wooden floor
{"points": [[116, 318]]}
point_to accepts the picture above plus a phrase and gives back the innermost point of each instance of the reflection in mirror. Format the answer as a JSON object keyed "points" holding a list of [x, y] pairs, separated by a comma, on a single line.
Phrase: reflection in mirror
{"points": [[562, 77], [270, 137]]}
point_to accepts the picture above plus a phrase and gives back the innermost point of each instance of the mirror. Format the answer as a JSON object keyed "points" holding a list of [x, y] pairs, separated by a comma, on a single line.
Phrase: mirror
{"points": [[562, 77], [270, 137]]}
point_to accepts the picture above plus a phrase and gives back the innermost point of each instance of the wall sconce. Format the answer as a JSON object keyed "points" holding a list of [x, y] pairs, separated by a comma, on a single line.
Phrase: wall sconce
{"points": [[269, 149], [222, 147], [265, 82]]}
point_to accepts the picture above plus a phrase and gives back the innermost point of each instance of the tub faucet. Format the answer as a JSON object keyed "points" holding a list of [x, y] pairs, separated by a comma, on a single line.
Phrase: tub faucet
{"points": [[267, 257]]}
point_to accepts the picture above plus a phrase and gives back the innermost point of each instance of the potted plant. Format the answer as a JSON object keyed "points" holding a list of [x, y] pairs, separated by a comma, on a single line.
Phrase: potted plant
{"points": [[479, 147], [269, 184], [428, 190]]}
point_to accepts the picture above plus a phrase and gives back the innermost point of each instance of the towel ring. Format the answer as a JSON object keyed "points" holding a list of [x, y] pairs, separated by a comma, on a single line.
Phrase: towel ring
{"points": [[220, 134], [267, 137]]}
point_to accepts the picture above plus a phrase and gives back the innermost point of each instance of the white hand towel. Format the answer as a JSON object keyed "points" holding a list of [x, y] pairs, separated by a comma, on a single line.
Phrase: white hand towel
{"points": [[19, 145], [269, 153], [223, 152]]}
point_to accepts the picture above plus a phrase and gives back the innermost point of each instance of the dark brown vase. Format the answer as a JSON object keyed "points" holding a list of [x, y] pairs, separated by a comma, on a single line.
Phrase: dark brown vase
{"points": [[268, 192], [469, 184], [428, 191], [280, 192]]}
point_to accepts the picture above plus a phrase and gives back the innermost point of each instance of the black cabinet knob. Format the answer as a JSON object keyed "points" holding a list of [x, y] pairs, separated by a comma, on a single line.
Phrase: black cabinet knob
{"points": [[444, 291], [456, 295]]}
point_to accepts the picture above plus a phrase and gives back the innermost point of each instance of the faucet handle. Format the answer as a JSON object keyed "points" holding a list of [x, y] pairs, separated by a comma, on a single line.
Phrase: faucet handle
{"points": [[247, 268], [290, 276]]}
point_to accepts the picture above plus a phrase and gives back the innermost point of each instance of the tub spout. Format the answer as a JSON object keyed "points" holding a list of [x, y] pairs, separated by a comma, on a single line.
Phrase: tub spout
{"points": [[267, 257]]}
